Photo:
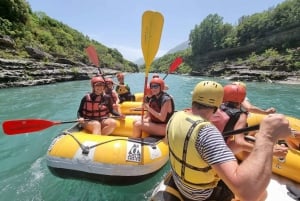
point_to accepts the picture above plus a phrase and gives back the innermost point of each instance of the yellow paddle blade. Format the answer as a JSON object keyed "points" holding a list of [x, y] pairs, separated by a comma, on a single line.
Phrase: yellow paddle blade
{"points": [[152, 24]]}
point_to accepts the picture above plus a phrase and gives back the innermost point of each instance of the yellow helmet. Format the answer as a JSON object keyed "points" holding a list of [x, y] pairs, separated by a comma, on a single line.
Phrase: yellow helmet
{"points": [[240, 84], [208, 93]]}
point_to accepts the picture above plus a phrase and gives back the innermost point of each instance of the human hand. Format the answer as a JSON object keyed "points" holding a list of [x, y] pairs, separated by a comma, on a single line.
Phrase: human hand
{"points": [[122, 116], [81, 120], [275, 126], [270, 110], [146, 106], [280, 150]]}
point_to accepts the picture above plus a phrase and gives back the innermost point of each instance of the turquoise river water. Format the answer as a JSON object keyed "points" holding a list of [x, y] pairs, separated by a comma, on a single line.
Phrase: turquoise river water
{"points": [[24, 175]]}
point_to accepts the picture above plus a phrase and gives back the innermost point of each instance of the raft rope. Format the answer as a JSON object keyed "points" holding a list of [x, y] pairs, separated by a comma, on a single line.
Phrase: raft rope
{"points": [[86, 149]]}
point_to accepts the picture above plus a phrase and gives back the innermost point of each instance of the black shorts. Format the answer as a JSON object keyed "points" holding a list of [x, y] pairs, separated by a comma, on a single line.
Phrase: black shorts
{"points": [[221, 193]]}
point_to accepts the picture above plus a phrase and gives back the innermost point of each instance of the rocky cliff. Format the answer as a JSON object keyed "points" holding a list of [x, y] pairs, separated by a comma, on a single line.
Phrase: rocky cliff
{"points": [[40, 68], [21, 73]]}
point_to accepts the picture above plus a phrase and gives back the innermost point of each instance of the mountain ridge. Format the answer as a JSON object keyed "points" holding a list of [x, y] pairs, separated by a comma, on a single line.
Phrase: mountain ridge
{"points": [[182, 46]]}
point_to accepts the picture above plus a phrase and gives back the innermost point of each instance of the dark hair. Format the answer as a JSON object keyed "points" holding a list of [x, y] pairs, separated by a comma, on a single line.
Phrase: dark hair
{"points": [[200, 106]]}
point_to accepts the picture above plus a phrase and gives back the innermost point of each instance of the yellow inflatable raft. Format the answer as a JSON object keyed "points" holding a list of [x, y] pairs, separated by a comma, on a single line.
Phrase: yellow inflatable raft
{"points": [[139, 97], [290, 166], [75, 152], [133, 107]]}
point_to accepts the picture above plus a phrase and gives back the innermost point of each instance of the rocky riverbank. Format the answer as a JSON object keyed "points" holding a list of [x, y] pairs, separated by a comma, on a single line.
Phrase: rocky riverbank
{"points": [[246, 73], [22, 73]]}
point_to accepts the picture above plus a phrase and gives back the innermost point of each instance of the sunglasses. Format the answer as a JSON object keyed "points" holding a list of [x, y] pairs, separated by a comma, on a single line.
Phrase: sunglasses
{"points": [[154, 86]]}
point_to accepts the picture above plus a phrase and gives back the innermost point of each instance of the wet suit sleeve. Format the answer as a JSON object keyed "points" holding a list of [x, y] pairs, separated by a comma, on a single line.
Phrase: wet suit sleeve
{"points": [[80, 109]]}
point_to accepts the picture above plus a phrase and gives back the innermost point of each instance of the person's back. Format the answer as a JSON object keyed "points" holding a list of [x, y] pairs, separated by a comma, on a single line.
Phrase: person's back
{"points": [[202, 165], [234, 95], [188, 132]]}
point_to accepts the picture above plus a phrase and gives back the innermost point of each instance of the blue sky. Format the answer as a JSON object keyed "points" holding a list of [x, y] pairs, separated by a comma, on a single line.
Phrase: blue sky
{"points": [[117, 23]]}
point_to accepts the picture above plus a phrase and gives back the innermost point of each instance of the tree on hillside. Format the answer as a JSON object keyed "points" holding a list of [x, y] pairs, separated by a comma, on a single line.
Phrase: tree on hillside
{"points": [[209, 35], [14, 10]]}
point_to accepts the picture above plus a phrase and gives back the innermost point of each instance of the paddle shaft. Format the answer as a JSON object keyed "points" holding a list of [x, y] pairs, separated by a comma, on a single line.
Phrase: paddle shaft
{"points": [[242, 130], [165, 76]]}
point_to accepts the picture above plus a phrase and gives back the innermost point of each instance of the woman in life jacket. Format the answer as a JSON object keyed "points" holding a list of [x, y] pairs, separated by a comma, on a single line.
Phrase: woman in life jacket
{"points": [[95, 109], [109, 90], [160, 107], [148, 93]]}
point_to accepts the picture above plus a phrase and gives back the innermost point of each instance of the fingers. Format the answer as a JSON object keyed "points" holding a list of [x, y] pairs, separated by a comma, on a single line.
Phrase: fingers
{"points": [[276, 126], [270, 110]]}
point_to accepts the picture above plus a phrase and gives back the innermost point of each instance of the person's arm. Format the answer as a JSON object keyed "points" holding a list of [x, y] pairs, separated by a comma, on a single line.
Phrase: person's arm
{"points": [[80, 109], [254, 109], [239, 143], [115, 94], [109, 104], [249, 179]]}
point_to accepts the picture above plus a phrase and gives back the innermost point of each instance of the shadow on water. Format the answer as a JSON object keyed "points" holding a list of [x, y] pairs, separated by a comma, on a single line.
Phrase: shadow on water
{"points": [[100, 179]]}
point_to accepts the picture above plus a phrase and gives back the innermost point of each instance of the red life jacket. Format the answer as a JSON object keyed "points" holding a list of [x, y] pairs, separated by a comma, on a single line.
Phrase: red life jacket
{"points": [[96, 108]]}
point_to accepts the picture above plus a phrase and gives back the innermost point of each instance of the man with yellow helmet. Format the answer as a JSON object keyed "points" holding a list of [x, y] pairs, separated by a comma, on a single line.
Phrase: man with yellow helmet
{"points": [[202, 165]]}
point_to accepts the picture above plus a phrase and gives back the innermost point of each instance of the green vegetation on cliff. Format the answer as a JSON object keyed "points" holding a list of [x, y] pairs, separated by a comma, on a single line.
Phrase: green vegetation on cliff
{"points": [[24, 28], [270, 38]]}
